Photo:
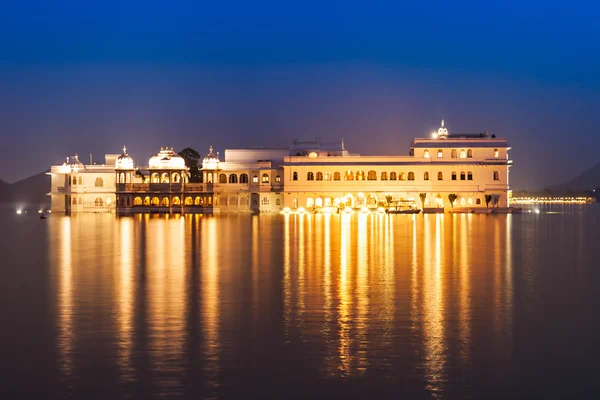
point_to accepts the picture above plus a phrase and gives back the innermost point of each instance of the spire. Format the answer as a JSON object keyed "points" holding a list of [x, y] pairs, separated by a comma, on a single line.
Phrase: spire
{"points": [[124, 149], [210, 149], [442, 132]]}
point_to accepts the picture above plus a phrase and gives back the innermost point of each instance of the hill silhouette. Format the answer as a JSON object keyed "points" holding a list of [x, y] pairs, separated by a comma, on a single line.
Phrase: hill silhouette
{"points": [[29, 191], [588, 180]]}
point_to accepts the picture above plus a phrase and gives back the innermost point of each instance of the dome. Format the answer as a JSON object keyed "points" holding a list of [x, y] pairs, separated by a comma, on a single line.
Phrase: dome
{"points": [[211, 161], [166, 159], [124, 161], [442, 132], [74, 163]]}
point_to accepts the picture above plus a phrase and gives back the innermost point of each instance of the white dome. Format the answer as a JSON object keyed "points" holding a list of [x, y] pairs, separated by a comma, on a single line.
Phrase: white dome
{"points": [[166, 159], [211, 161], [124, 161]]}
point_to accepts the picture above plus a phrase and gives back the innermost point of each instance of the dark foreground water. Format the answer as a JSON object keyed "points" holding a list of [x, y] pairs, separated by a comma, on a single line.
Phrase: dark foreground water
{"points": [[463, 306]]}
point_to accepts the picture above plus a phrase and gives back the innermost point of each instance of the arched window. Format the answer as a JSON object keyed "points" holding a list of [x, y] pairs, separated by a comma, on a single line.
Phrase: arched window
{"points": [[98, 202], [278, 202], [137, 201], [469, 176], [440, 176], [147, 200], [425, 176], [440, 154], [74, 180], [175, 177], [348, 176], [478, 202], [129, 202], [121, 177], [402, 176], [360, 175], [496, 153], [233, 201], [223, 201], [244, 201], [265, 178], [384, 176], [310, 202], [198, 201], [189, 201], [454, 176], [463, 176], [372, 175], [463, 153], [454, 154], [254, 178], [80, 181], [233, 178], [155, 201], [392, 176], [74, 200], [426, 154], [496, 176], [310, 176], [336, 176], [164, 178], [176, 201], [327, 176], [80, 200], [165, 202], [155, 178], [319, 176], [319, 202], [98, 182], [277, 179], [295, 176], [222, 178], [411, 176], [244, 178], [470, 153]]}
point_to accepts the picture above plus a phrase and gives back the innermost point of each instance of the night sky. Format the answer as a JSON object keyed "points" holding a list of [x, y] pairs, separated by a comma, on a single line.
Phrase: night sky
{"points": [[81, 78]]}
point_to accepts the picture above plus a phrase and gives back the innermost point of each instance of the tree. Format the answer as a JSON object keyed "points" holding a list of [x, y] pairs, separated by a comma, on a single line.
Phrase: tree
{"points": [[488, 198], [423, 196], [452, 197], [388, 199], [192, 158]]}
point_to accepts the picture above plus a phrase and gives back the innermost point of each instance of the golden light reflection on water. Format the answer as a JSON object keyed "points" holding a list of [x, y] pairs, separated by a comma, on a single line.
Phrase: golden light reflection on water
{"points": [[354, 291], [125, 289], [166, 300], [210, 313], [64, 305]]}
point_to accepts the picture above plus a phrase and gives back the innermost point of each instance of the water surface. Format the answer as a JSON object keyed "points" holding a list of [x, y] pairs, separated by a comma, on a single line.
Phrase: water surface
{"points": [[424, 306]]}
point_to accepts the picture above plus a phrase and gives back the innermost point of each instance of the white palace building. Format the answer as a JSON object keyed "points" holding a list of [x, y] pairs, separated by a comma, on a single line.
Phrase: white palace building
{"points": [[310, 176]]}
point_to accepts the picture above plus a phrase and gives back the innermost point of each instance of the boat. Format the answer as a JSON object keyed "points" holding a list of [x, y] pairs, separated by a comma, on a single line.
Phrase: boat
{"points": [[403, 207]]}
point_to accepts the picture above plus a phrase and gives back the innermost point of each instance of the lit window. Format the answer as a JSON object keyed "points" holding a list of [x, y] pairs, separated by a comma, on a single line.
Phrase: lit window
{"points": [[454, 154], [402, 176], [426, 154], [265, 178], [327, 176], [496, 153], [254, 178], [348, 176], [312, 154], [440, 154], [372, 175], [277, 179], [384, 176], [99, 182], [392, 176], [463, 154], [336, 176]]}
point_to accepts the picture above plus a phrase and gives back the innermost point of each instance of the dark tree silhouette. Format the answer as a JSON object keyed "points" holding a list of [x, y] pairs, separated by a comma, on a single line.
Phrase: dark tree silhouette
{"points": [[452, 197], [192, 158]]}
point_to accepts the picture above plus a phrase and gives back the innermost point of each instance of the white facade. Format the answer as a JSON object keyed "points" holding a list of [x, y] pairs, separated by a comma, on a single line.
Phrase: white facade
{"points": [[76, 187]]}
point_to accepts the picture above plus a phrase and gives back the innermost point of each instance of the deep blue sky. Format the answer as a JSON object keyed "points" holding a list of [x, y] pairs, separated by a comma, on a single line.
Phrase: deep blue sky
{"points": [[77, 77]]}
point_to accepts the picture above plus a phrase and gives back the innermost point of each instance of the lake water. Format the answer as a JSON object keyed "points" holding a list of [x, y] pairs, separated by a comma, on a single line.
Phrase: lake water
{"points": [[400, 306]]}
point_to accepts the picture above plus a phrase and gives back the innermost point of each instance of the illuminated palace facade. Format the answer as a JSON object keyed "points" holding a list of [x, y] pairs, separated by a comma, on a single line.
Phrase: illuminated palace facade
{"points": [[322, 176]]}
